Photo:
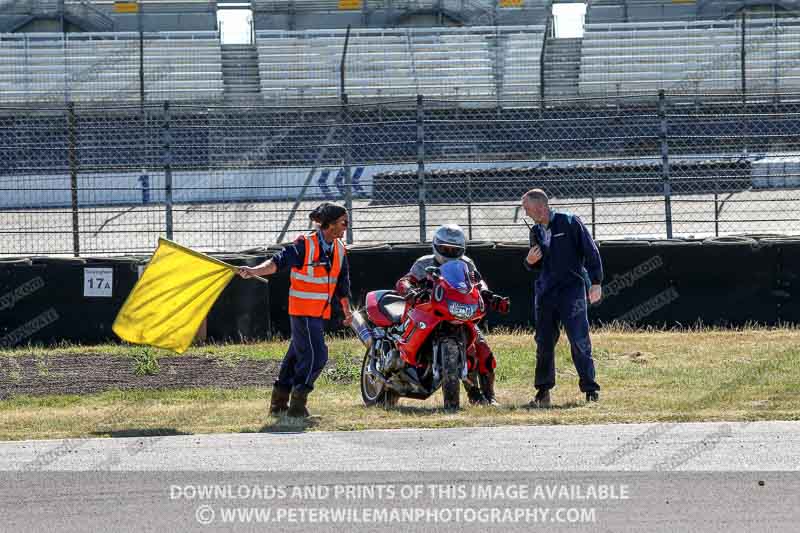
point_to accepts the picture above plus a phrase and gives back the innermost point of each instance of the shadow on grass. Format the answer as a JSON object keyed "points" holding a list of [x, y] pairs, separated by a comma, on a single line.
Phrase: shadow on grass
{"points": [[555, 406], [418, 410], [140, 432], [288, 424]]}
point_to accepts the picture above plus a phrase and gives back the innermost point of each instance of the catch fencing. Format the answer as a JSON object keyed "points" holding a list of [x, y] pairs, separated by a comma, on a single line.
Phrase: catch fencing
{"points": [[90, 179]]}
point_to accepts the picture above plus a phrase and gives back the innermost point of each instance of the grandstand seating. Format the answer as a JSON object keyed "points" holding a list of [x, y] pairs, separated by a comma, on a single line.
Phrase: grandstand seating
{"points": [[460, 63], [489, 63], [521, 78], [105, 66], [186, 66], [689, 57]]}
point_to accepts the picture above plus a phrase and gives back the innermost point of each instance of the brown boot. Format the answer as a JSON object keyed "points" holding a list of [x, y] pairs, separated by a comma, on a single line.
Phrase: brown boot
{"points": [[541, 400], [487, 388], [279, 402], [297, 404]]}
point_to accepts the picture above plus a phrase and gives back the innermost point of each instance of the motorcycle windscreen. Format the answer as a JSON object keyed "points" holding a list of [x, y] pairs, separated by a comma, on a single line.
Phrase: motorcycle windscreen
{"points": [[456, 274]]}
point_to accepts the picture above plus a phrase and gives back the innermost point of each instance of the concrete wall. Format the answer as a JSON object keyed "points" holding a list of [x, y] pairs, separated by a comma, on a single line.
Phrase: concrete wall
{"points": [[379, 19], [198, 18], [167, 22], [163, 18], [667, 10]]}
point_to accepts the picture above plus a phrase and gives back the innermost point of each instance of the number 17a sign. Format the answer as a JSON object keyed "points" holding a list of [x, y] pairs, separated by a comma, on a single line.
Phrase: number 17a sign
{"points": [[98, 282]]}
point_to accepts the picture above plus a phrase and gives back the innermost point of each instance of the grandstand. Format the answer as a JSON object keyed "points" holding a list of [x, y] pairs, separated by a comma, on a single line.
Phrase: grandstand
{"points": [[690, 57], [87, 67], [496, 63], [499, 64]]}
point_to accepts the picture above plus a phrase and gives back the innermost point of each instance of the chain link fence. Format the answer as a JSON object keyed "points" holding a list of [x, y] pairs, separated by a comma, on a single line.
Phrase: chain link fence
{"points": [[85, 179]]}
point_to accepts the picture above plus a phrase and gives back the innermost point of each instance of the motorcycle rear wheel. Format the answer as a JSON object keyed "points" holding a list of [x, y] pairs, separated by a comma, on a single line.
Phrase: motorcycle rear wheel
{"points": [[373, 392]]}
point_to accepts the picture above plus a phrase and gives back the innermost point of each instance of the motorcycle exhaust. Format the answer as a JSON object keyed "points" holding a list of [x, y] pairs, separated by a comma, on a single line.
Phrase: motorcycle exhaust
{"points": [[362, 329]]}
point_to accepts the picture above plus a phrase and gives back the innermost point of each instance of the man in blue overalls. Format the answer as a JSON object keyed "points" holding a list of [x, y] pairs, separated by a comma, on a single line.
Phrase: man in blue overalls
{"points": [[569, 266]]}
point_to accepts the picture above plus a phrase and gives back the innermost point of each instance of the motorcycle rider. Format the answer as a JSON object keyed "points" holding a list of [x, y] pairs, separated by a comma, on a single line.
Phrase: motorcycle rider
{"points": [[449, 244]]}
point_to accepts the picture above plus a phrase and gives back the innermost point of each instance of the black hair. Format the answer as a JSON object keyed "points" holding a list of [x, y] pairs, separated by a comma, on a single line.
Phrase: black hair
{"points": [[326, 213]]}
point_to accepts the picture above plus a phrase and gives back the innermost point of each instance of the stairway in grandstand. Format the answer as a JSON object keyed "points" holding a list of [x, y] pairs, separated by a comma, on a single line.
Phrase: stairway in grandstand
{"points": [[81, 13], [562, 63], [240, 74], [84, 15]]}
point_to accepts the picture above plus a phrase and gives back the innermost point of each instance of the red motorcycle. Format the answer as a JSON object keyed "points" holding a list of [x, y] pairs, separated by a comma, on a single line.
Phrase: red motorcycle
{"points": [[419, 343]]}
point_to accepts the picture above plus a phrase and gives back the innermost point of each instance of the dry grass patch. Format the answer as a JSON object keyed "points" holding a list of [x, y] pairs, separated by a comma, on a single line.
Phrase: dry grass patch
{"points": [[649, 376]]}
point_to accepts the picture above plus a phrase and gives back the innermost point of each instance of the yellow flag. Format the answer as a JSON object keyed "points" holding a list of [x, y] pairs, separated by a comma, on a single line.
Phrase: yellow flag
{"points": [[175, 293]]}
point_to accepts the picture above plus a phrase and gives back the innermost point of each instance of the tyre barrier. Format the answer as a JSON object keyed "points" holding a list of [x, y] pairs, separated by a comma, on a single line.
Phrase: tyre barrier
{"points": [[728, 281]]}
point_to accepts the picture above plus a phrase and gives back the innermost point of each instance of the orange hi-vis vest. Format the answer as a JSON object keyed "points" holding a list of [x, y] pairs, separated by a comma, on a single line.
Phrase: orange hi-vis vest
{"points": [[311, 286]]}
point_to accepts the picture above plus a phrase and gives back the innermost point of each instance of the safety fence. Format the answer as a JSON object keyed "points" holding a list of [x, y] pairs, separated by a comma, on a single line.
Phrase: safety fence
{"points": [[86, 179]]}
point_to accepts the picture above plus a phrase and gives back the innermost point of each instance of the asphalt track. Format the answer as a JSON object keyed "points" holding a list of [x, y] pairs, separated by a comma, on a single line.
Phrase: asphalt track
{"points": [[637, 477]]}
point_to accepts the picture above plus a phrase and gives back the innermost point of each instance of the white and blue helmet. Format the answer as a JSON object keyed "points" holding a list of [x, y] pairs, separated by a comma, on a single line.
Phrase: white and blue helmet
{"points": [[449, 243]]}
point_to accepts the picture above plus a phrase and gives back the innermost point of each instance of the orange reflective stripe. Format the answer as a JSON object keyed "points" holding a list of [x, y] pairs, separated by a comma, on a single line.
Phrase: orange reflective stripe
{"points": [[308, 295]]}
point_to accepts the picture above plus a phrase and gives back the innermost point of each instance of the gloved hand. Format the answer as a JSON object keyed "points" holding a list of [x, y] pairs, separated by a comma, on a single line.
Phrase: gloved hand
{"points": [[412, 295], [403, 286], [495, 302], [501, 304]]}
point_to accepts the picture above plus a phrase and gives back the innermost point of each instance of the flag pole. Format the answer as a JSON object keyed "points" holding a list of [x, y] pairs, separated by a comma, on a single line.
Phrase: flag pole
{"points": [[234, 267], [208, 257]]}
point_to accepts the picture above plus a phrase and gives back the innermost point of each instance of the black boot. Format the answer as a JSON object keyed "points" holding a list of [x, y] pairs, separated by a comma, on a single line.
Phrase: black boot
{"points": [[473, 391], [279, 402], [487, 388], [474, 394], [297, 404]]}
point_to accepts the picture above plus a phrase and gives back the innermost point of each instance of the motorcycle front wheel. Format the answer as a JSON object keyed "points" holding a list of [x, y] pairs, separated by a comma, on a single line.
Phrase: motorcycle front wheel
{"points": [[373, 392], [451, 366]]}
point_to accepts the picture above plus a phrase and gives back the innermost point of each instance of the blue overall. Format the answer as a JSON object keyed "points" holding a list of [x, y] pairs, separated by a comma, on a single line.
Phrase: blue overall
{"points": [[570, 264], [307, 354]]}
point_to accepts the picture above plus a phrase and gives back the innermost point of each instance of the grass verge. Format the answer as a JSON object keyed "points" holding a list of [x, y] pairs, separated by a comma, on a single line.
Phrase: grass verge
{"points": [[693, 375]]}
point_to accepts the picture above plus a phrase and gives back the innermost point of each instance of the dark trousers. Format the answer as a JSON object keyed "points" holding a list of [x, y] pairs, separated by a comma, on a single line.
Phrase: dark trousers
{"points": [[564, 305], [306, 356]]}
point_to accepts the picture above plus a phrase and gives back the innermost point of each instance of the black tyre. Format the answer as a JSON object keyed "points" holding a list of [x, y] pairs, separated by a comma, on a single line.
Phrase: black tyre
{"points": [[451, 367], [373, 392]]}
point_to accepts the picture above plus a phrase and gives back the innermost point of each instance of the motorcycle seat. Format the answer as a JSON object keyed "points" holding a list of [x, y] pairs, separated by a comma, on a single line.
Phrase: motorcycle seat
{"points": [[392, 305]]}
